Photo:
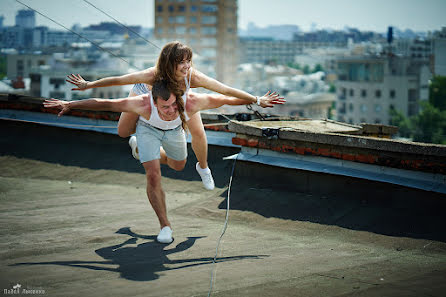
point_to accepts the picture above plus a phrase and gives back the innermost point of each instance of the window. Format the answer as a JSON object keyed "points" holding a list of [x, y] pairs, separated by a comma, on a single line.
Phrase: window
{"points": [[208, 41], [194, 8], [412, 95], [209, 8], [159, 30], [193, 30], [159, 8], [181, 19], [352, 92], [363, 108], [363, 93], [350, 107], [182, 8], [208, 19], [172, 20], [159, 19], [193, 19], [180, 30], [209, 30], [378, 108], [392, 94], [171, 9], [378, 93]]}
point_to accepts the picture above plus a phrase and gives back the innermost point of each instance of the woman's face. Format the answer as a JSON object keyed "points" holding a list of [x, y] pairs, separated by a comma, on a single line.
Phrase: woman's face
{"points": [[182, 68]]}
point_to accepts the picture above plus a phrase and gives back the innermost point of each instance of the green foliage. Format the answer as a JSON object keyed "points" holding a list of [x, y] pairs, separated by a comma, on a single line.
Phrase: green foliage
{"points": [[332, 88], [317, 68], [437, 92], [306, 69], [404, 124], [2, 66], [429, 126], [294, 65]]}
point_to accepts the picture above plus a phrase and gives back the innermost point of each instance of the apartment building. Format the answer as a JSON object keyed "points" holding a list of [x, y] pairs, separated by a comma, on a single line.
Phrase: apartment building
{"points": [[368, 87], [209, 27], [267, 50]]}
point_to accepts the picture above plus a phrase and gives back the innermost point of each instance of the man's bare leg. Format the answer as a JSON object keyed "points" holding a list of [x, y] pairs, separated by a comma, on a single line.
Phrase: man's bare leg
{"points": [[155, 192]]}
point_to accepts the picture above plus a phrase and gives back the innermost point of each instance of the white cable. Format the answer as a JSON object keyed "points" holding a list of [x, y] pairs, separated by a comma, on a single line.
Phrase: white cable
{"points": [[214, 265]]}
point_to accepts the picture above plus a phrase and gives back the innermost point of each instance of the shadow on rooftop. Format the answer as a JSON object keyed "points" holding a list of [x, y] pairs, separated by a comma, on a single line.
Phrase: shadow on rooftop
{"points": [[142, 262]]}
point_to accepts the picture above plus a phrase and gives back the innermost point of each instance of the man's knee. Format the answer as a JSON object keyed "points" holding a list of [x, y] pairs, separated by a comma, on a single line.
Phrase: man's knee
{"points": [[153, 178]]}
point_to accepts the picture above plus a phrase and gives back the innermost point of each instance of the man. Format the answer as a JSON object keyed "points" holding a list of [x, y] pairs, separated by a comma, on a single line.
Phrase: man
{"points": [[161, 124]]}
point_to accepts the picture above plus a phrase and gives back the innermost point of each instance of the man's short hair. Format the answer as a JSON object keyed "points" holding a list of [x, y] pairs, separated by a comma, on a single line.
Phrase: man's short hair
{"points": [[160, 90]]}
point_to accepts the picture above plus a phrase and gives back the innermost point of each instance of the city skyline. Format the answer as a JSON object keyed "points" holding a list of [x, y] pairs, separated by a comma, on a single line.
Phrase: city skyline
{"points": [[364, 15]]}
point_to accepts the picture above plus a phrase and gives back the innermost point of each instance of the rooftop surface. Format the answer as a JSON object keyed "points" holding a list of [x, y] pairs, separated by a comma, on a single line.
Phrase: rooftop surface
{"points": [[76, 222]]}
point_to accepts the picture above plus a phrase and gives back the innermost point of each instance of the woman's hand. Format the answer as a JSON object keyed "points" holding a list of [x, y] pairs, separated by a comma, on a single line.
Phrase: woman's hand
{"points": [[64, 106], [270, 99], [77, 80]]}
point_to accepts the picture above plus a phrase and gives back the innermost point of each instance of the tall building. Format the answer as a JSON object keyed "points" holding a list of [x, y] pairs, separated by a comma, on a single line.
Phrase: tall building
{"points": [[25, 19], [209, 27], [368, 87], [439, 52]]}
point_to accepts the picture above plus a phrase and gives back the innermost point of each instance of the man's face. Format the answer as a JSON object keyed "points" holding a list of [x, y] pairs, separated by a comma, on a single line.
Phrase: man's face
{"points": [[167, 109]]}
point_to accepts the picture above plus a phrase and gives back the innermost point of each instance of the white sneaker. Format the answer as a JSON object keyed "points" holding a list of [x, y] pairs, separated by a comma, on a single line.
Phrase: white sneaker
{"points": [[165, 235], [133, 144], [206, 177]]}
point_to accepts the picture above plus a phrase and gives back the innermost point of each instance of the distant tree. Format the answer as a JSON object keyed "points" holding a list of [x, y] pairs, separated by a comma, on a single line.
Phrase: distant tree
{"points": [[437, 92], [2, 66], [332, 88], [306, 69], [430, 125], [294, 65], [317, 68], [404, 124]]}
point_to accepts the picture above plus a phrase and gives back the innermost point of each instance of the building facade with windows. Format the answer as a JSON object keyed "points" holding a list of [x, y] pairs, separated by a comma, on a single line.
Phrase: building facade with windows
{"points": [[209, 27], [267, 50], [368, 87]]}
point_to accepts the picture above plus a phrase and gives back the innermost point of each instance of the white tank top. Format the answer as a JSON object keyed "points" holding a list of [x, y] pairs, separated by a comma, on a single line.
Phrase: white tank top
{"points": [[155, 119]]}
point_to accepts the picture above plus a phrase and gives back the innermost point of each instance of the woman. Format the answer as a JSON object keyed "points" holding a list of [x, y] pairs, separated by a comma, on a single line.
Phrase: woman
{"points": [[175, 66]]}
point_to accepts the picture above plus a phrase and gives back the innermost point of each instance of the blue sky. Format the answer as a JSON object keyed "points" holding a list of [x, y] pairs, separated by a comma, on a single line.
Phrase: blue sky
{"points": [[376, 15]]}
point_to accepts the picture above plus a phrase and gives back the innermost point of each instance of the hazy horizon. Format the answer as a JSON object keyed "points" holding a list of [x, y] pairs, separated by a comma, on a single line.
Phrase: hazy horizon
{"points": [[364, 15]]}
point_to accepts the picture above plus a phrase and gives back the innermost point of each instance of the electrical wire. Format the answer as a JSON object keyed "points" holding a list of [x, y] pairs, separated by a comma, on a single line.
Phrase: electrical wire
{"points": [[74, 32], [130, 29]]}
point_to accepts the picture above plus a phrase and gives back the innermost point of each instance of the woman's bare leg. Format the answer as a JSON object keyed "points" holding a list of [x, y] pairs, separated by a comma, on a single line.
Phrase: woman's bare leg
{"points": [[127, 124], [199, 140], [200, 148]]}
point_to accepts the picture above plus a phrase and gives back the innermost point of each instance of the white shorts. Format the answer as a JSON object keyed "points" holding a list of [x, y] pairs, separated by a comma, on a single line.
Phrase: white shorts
{"points": [[150, 139]]}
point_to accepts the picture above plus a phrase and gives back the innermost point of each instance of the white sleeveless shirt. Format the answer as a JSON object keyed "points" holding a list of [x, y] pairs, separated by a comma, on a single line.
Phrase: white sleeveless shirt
{"points": [[155, 119]]}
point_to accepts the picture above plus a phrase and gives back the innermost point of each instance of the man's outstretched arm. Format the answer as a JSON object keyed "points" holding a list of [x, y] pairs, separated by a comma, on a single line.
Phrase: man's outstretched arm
{"points": [[132, 104]]}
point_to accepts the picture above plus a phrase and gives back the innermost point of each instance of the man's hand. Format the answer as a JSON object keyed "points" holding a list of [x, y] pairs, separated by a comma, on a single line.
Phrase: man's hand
{"points": [[269, 99], [64, 106], [77, 80]]}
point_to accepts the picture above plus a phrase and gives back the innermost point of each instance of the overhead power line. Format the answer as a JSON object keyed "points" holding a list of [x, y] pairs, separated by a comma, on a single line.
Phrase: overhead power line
{"points": [[128, 28], [74, 32]]}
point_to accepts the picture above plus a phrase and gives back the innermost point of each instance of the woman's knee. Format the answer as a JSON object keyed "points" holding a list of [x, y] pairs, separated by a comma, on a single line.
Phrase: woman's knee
{"points": [[124, 131], [127, 124], [177, 165]]}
